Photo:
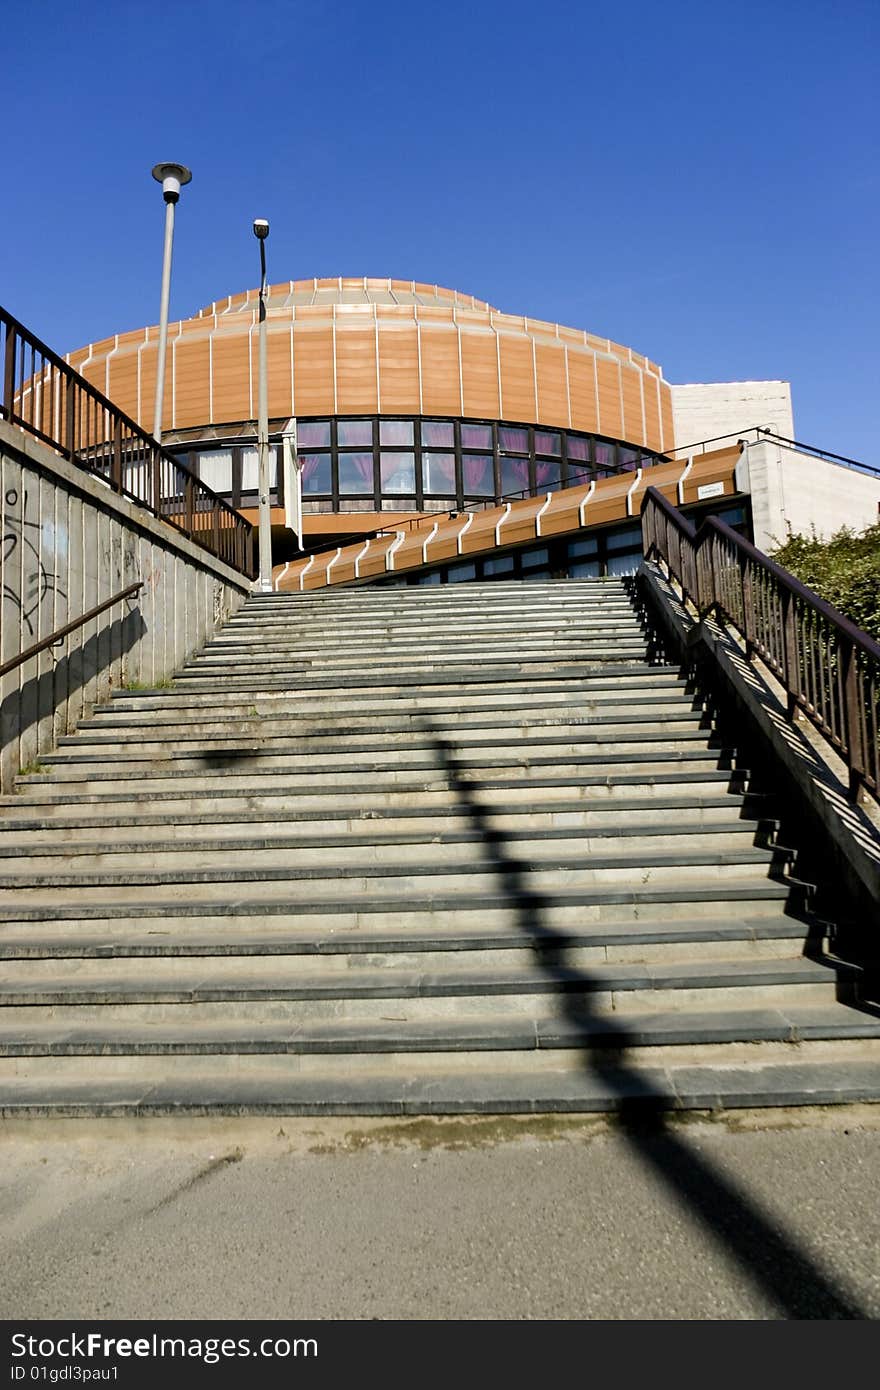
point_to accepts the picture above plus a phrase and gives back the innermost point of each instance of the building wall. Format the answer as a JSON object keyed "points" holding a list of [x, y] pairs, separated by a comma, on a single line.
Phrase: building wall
{"points": [[793, 489], [69, 543], [712, 409], [366, 347]]}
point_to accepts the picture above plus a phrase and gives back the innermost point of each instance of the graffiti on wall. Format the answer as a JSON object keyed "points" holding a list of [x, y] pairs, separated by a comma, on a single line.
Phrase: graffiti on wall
{"points": [[27, 580]]}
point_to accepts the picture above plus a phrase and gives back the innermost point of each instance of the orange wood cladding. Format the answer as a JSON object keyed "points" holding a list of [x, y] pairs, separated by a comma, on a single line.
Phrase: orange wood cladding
{"points": [[344, 347], [570, 511]]}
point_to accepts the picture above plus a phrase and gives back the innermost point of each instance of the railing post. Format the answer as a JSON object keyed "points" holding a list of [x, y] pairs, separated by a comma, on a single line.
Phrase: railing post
{"points": [[116, 459], [748, 615], [852, 706], [188, 505], [156, 472], [789, 652], [70, 418], [9, 371]]}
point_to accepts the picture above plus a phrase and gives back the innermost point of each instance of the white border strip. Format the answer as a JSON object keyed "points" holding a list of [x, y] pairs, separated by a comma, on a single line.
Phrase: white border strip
{"points": [[394, 546], [304, 572], [583, 507], [541, 513], [681, 481], [428, 540], [359, 557], [468, 523], [629, 496], [501, 521]]}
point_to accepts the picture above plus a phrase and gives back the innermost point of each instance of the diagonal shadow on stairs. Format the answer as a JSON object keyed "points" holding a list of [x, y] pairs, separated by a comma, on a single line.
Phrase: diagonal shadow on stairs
{"points": [[770, 1258]]}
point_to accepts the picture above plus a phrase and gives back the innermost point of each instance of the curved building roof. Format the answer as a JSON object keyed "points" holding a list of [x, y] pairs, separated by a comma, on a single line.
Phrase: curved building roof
{"points": [[351, 346]]}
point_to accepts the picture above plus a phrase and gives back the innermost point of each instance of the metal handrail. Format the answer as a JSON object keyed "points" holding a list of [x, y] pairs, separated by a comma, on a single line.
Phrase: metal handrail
{"points": [[44, 395], [829, 668], [69, 627]]}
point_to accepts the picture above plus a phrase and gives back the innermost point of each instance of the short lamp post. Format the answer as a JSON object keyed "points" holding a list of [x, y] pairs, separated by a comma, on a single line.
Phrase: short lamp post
{"points": [[172, 178], [261, 231]]}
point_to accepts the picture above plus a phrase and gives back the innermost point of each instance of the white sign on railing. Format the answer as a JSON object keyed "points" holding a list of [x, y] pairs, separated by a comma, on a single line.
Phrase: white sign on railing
{"points": [[292, 480]]}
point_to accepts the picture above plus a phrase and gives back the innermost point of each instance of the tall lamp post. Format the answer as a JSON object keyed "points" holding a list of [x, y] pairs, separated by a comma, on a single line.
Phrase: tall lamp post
{"points": [[261, 231], [172, 178]]}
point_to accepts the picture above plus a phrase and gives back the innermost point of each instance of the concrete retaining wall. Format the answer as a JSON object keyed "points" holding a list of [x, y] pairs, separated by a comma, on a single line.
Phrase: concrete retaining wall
{"points": [[789, 488], [66, 544]]}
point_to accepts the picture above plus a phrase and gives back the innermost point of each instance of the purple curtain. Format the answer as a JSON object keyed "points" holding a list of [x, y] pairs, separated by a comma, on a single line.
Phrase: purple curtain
{"points": [[476, 473]]}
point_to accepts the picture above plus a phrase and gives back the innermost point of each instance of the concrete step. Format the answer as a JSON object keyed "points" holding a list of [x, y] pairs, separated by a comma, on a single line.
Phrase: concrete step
{"points": [[364, 730], [475, 682], [304, 988], [480, 1033], [419, 738], [681, 777], [426, 848], [380, 770], [168, 836], [541, 1080], [367, 870], [766, 929], [20, 826], [428, 907]]}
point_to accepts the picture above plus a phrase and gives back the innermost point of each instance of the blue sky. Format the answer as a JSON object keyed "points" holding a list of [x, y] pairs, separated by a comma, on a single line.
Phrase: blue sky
{"points": [[696, 180]]}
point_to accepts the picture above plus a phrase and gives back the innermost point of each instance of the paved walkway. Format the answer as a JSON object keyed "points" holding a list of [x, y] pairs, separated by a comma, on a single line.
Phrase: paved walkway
{"points": [[443, 1219]]}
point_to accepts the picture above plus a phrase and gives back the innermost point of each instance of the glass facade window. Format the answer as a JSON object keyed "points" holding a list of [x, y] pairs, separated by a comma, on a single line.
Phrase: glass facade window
{"points": [[250, 469], [438, 473], [438, 434], [604, 454], [354, 432], [514, 475], [426, 464], [548, 475], [313, 434], [396, 432], [477, 475], [628, 459], [476, 436], [356, 472], [513, 438], [548, 443], [215, 469], [398, 472], [316, 473]]}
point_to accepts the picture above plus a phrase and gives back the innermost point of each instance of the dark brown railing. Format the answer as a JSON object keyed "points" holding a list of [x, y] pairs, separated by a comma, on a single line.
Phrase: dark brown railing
{"points": [[830, 668], [72, 626], [42, 394]]}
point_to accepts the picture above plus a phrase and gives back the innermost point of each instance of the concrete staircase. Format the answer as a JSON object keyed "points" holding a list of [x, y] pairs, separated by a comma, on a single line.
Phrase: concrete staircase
{"points": [[384, 851]]}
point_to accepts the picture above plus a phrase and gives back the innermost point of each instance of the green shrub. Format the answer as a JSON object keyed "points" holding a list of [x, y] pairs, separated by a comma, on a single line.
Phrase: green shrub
{"points": [[844, 570]]}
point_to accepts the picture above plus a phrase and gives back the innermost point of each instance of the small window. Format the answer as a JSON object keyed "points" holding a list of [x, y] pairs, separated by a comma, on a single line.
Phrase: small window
{"points": [[503, 565], [396, 432], [350, 433], [585, 547], [398, 472], [313, 434], [356, 472], [514, 439], [478, 475], [215, 469], [578, 448], [438, 473], [476, 436], [315, 473], [548, 443], [456, 574], [438, 434], [535, 557], [250, 470]]}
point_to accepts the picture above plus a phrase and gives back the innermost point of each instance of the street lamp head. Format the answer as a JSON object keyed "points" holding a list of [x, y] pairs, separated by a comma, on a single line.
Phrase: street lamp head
{"points": [[261, 228], [172, 178]]}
